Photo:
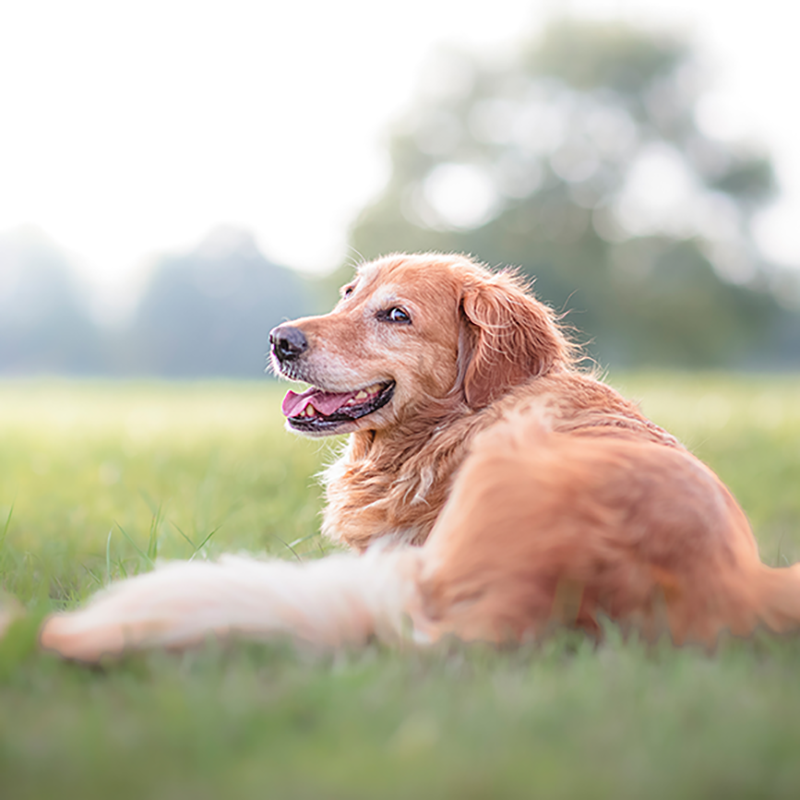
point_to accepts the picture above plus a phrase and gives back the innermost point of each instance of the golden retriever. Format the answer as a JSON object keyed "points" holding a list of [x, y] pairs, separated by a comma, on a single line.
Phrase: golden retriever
{"points": [[489, 487]]}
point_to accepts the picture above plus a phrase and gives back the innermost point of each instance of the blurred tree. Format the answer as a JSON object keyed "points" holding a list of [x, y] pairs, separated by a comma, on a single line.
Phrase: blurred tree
{"points": [[209, 312], [45, 326], [581, 160]]}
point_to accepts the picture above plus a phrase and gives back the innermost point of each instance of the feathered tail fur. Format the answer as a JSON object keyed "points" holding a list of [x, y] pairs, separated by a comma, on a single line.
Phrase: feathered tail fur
{"points": [[778, 598]]}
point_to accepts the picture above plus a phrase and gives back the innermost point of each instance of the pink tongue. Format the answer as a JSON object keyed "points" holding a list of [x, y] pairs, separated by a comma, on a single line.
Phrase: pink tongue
{"points": [[325, 402]]}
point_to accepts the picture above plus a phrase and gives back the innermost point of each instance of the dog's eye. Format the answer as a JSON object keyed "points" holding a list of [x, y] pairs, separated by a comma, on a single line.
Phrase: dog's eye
{"points": [[347, 291], [395, 314]]}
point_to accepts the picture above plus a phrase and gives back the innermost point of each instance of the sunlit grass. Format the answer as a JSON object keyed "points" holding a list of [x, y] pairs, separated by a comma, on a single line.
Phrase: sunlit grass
{"points": [[103, 479], [99, 480]]}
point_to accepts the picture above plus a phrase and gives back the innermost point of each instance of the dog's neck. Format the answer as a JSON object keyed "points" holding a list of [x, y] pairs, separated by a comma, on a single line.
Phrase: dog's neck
{"points": [[393, 482]]}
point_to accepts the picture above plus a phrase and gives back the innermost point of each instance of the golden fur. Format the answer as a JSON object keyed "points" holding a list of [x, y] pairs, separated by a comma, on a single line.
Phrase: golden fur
{"points": [[513, 491]]}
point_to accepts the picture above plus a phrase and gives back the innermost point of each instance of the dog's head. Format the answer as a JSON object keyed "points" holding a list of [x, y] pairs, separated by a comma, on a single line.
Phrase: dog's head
{"points": [[412, 332]]}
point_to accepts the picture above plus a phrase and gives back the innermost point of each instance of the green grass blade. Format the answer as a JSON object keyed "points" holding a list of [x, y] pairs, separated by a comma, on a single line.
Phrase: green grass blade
{"points": [[152, 541], [136, 546], [205, 541], [6, 526], [108, 555], [191, 543], [288, 547], [303, 539]]}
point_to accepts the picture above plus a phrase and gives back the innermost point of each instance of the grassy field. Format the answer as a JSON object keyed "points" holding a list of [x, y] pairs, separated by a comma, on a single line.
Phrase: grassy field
{"points": [[99, 480]]}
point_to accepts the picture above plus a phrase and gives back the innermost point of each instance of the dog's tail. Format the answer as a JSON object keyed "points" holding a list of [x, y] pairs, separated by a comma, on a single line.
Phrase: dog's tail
{"points": [[778, 598], [338, 600]]}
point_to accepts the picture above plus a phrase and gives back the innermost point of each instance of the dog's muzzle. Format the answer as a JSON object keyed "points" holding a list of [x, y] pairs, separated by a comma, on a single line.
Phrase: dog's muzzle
{"points": [[288, 343]]}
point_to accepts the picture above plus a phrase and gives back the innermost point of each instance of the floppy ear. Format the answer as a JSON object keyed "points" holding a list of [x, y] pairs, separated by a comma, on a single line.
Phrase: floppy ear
{"points": [[508, 338]]}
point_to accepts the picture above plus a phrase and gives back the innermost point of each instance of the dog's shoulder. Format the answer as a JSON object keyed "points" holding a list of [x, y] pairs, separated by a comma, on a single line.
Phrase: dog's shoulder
{"points": [[572, 402]]}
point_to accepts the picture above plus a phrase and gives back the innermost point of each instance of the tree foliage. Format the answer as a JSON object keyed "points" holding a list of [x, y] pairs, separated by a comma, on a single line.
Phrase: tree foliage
{"points": [[209, 311], [44, 322], [580, 159], [206, 312]]}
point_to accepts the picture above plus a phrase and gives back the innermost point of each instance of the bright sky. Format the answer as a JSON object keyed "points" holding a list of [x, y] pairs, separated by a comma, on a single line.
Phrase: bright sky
{"points": [[128, 129]]}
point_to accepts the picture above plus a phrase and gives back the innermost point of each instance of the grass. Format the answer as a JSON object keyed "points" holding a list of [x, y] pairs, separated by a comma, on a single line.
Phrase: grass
{"points": [[97, 481]]}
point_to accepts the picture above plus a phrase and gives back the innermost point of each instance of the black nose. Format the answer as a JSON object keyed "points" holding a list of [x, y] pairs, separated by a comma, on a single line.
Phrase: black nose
{"points": [[288, 343]]}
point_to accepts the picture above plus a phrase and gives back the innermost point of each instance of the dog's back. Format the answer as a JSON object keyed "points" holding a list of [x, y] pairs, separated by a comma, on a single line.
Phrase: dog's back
{"points": [[543, 527]]}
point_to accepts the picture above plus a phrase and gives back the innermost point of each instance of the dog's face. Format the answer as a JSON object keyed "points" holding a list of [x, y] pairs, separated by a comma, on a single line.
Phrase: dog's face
{"points": [[410, 331], [390, 342]]}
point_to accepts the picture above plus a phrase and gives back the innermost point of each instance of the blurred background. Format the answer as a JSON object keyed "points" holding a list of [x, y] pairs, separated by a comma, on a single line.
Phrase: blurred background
{"points": [[178, 177]]}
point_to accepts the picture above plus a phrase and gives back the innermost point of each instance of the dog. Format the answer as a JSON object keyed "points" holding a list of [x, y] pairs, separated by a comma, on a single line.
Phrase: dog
{"points": [[489, 488]]}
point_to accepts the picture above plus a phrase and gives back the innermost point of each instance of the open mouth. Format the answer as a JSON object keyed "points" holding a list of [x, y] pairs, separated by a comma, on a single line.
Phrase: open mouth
{"points": [[318, 411]]}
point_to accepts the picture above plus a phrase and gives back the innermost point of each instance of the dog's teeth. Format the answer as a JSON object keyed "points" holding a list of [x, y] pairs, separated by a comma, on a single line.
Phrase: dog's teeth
{"points": [[310, 411], [361, 395]]}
